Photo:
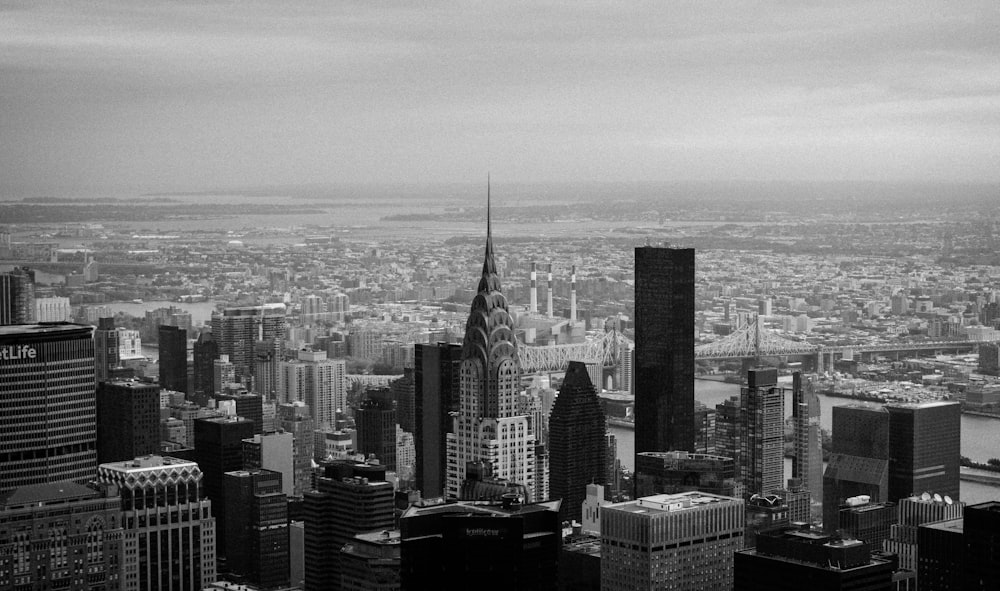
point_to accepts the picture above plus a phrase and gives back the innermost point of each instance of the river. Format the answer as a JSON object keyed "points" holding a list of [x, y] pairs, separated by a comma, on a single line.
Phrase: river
{"points": [[980, 435], [201, 312]]}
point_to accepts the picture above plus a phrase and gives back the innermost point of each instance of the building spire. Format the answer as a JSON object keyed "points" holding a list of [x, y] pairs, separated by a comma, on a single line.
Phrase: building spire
{"points": [[489, 265]]}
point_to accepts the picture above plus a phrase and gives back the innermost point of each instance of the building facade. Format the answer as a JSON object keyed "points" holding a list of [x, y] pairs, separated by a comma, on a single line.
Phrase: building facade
{"points": [[664, 349], [128, 419], [172, 347], [17, 296], [48, 411], [762, 433], [237, 330], [257, 534], [436, 386], [319, 382]]}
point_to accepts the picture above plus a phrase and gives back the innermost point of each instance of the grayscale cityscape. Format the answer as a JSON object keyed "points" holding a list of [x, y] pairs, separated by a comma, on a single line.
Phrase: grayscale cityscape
{"points": [[351, 296]]}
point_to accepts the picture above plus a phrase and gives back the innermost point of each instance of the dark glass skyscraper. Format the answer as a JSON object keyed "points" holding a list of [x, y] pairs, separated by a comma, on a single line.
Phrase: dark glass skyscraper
{"points": [[435, 389], [257, 534], [48, 414], [576, 442], [172, 348], [664, 349], [128, 420], [924, 449], [376, 430], [17, 296], [206, 351]]}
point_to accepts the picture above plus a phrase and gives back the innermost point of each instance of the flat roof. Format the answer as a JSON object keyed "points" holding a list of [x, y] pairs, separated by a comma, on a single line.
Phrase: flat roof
{"points": [[48, 329], [670, 503], [953, 525]]}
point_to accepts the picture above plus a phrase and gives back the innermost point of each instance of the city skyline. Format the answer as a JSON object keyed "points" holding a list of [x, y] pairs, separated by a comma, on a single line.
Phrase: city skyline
{"points": [[131, 99]]}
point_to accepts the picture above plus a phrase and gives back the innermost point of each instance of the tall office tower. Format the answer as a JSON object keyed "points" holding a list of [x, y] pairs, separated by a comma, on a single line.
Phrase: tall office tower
{"points": [[246, 405], [625, 374], [376, 430], [914, 512], [17, 296], [683, 541], [941, 558], [107, 355], [704, 428], [48, 411], [491, 546], [403, 394], [673, 472], [762, 432], [319, 382], [664, 349], [866, 521], [223, 374], [128, 420], [371, 561], [172, 348], [807, 461], [219, 449], [859, 459], [924, 448], [487, 428], [43, 527], [267, 365], [257, 535], [982, 546], [170, 532], [275, 452], [796, 557], [206, 351], [576, 442], [238, 329], [435, 395], [53, 310], [349, 498], [294, 418]]}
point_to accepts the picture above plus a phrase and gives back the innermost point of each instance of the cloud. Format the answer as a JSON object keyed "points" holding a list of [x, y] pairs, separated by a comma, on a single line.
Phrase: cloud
{"points": [[164, 95]]}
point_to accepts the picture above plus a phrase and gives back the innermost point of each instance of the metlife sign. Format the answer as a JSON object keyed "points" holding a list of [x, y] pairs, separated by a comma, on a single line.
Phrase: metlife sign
{"points": [[17, 352]]}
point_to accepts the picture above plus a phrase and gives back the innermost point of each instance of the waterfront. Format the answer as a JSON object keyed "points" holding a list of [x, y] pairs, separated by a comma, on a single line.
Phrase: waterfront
{"points": [[201, 312], [980, 435]]}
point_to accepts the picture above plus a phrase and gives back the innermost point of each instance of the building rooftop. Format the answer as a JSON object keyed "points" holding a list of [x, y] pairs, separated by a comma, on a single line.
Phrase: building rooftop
{"points": [[953, 525], [146, 462], [384, 537], [482, 508], [669, 503], [49, 492]]}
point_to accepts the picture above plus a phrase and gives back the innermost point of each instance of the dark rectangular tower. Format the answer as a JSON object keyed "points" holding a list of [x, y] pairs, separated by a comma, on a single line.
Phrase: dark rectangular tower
{"points": [[435, 391], [924, 449], [128, 421], [172, 348], [664, 349]]}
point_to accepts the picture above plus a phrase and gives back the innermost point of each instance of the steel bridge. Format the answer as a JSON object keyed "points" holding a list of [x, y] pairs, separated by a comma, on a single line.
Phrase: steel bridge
{"points": [[605, 349]]}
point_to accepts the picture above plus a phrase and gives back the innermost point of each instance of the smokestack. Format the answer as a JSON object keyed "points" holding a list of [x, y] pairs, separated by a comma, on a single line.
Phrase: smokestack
{"points": [[572, 296], [550, 291], [534, 290]]}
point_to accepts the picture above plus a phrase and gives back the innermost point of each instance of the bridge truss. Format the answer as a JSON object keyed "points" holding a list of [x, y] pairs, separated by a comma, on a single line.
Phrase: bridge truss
{"points": [[605, 349], [752, 341]]}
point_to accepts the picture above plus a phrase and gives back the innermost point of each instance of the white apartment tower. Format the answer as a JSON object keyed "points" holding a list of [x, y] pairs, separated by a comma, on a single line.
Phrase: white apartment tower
{"points": [[489, 427], [319, 382]]}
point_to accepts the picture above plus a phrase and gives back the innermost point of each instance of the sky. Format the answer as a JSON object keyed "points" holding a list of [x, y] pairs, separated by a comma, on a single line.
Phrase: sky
{"points": [[157, 96]]}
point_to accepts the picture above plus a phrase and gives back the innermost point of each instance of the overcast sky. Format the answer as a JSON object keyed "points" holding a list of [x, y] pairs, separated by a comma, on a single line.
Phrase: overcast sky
{"points": [[147, 96]]}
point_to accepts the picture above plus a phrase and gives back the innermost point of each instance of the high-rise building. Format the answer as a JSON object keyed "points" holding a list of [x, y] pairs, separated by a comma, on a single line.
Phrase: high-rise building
{"points": [[795, 557], [941, 558], [683, 541], [244, 404], [727, 429], [403, 395], [223, 374], [488, 428], [319, 382], [172, 347], [859, 459], [54, 309], [267, 365], [576, 442], [807, 460], [866, 521], [106, 348], [664, 349], [48, 409], [914, 512], [349, 498], [170, 539], [128, 419], [435, 387], [982, 546], [219, 449], [45, 527], [376, 430], [674, 472], [257, 534], [237, 330], [294, 418], [17, 296], [206, 351], [924, 448], [492, 546], [762, 432], [274, 452]]}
